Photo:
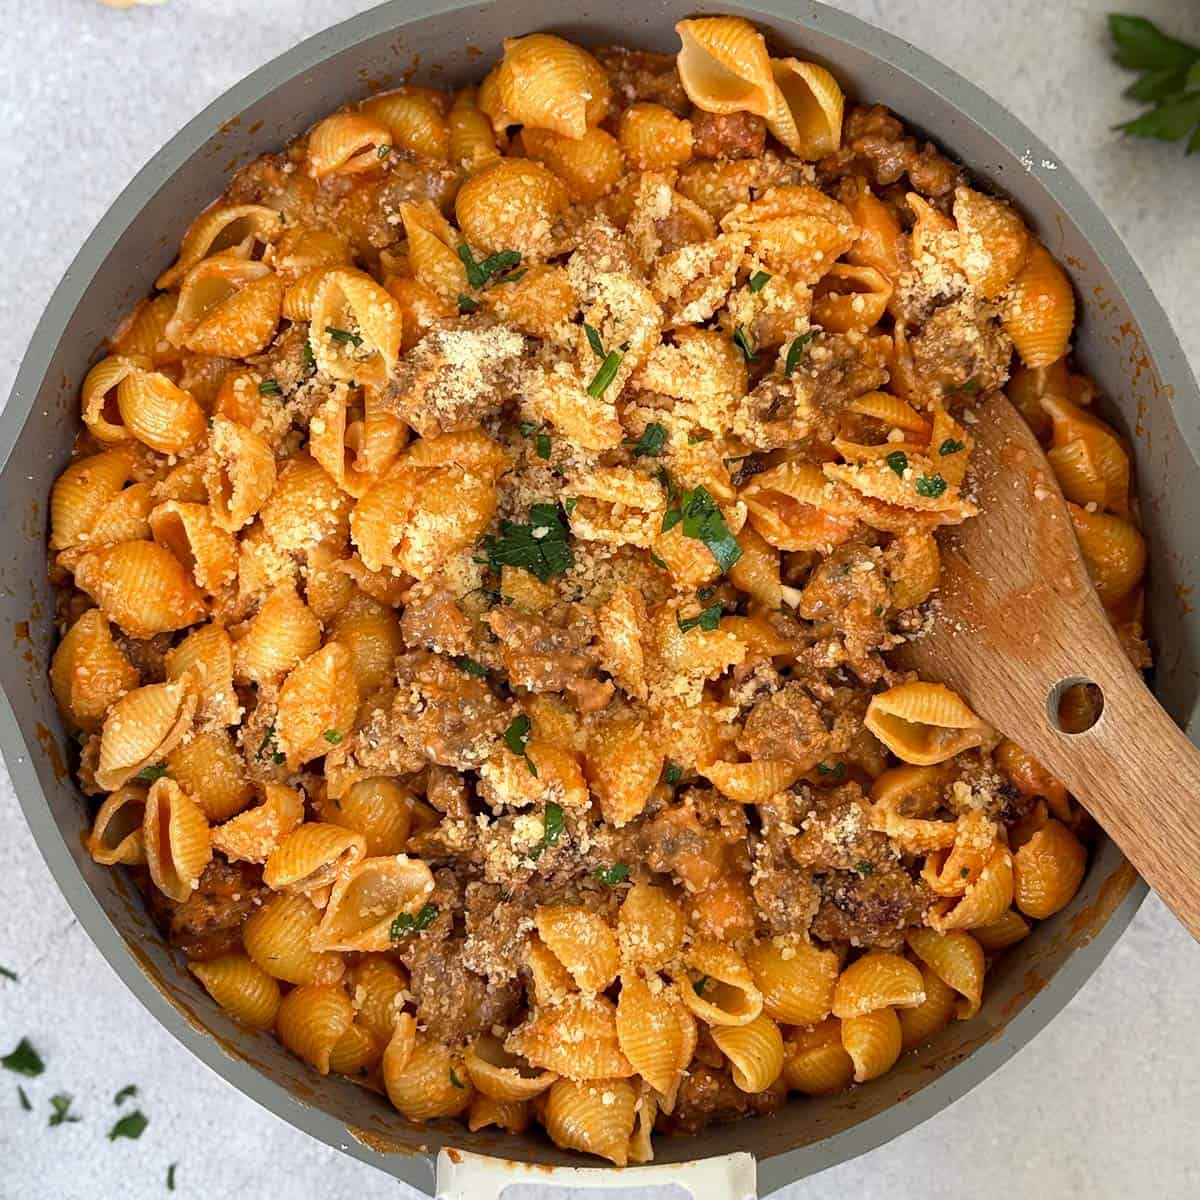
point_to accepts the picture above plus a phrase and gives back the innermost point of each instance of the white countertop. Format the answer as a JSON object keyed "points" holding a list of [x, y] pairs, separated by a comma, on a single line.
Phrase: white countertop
{"points": [[1104, 1102]]}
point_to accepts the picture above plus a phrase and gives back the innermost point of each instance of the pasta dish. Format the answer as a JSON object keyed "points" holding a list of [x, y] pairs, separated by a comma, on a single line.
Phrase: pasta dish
{"points": [[479, 570]]}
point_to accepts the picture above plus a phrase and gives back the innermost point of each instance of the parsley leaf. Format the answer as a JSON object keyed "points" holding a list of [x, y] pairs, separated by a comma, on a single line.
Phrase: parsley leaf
{"points": [[1170, 80], [407, 923], [344, 336], [7, 974], [62, 1114], [593, 338], [333, 736], [759, 280], [24, 1099], [898, 461], [130, 1089], [702, 519], [834, 770], [131, 1126], [171, 1177], [611, 876], [865, 869], [707, 619], [269, 387], [931, 486], [526, 428], [796, 352], [651, 443], [455, 1081], [540, 547], [951, 446], [516, 738], [150, 774], [25, 1060], [469, 666], [541, 445], [467, 304], [742, 341], [672, 775], [553, 823], [606, 374]]}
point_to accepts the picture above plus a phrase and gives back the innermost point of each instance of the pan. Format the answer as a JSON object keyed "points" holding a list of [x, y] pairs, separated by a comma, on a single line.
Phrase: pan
{"points": [[1124, 341]]}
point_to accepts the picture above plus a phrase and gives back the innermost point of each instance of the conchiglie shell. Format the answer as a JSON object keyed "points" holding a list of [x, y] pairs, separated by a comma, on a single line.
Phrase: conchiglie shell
{"points": [[231, 230], [754, 1051], [797, 979], [301, 295], [873, 1041], [415, 122], [81, 493], [596, 1118], [373, 639], [511, 204], [1088, 458], [141, 587], [641, 1145], [434, 263], [924, 723], [806, 108], [1113, 549], [312, 1020], [918, 1025], [318, 697], [589, 166], [305, 508], [346, 143], [1047, 870], [472, 140], [502, 1076], [984, 901], [367, 898], [379, 809], [915, 568], [377, 987], [277, 937], [650, 926], [239, 474], [582, 942], [144, 331], [301, 250], [208, 767], [994, 241], [312, 857], [1006, 930], [957, 959], [227, 308], [245, 991], [158, 413], [815, 1062], [623, 765], [849, 297], [253, 835], [98, 396], [142, 728], [207, 653], [727, 992], [353, 302], [420, 309], [125, 518], [651, 1029], [575, 1038], [891, 411], [875, 981], [177, 840], [752, 782], [355, 1053], [283, 632], [1038, 309], [116, 836], [512, 1115], [89, 673], [544, 82], [549, 980], [724, 66], [653, 137], [424, 1087], [194, 538], [471, 449]]}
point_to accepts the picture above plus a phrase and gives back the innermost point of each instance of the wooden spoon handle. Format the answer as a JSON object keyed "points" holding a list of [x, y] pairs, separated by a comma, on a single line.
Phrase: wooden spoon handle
{"points": [[1134, 747]]}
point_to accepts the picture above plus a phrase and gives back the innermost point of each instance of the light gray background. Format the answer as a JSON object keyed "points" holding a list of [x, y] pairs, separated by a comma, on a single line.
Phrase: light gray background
{"points": [[1105, 1102]]}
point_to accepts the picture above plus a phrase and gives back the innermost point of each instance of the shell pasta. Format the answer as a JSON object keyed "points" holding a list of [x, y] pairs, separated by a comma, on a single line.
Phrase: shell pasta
{"points": [[480, 564]]}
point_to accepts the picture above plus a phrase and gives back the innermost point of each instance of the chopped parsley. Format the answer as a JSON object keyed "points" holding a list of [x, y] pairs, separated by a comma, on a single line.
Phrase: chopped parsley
{"points": [[702, 520], [699, 985], [344, 336], [552, 823], [150, 774], [593, 338], [269, 387], [951, 446], [658, 562], [898, 461], [1170, 80], [833, 770], [277, 757], [611, 876], [865, 869], [62, 1114], [759, 280], [5, 973], [171, 1177], [742, 341], [964, 872], [651, 443], [24, 1060], [672, 775], [310, 359], [467, 304], [455, 1081], [128, 1091], [796, 352], [526, 428], [24, 1099], [707, 619], [333, 736], [970, 387], [469, 666], [569, 504], [516, 738], [539, 547], [541, 445], [131, 1126], [383, 151], [694, 439], [478, 273], [407, 923], [931, 486], [606, 374]]}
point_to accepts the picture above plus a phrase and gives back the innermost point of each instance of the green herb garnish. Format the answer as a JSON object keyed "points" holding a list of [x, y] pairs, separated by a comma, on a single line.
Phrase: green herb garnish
{"points": [[611, 876], [796, 352], [759, 280], [383, 151], [5, 973], [516, 738], [694, 439], [593, 339], [478, 273], [407, 923], [333, 736], [569, 504], [606, 374], [865, 869], [1170, 80], [552, 823], [25, 1060], [171, 1177], [698, 986], [702, 519], [344, 336], [129, 1090], [672, 775], [898, 461], [707, 619], [541, 445], [651, 443], [62, 1114], [742, 341], [455, 1081], [931, 486], [833, 770], [970, 387], [310, 359], [467, 304], [526, 427], [24, 1099], [469, 666], [951, 446], [539, 547], [269, 387], [131, 1126], [267, 739], [658, 562], [150, 774]]}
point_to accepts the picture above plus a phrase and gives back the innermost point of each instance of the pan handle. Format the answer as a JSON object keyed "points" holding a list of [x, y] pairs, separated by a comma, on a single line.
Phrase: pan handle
{"points": [[462, 1175]]}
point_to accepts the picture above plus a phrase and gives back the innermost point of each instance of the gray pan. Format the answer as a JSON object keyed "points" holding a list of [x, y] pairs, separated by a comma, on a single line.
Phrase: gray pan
{"points": [[1124, 341]]}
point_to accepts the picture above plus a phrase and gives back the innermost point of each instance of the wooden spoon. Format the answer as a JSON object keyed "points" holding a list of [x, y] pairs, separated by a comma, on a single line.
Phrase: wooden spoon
{"points": [[1018, 620]]}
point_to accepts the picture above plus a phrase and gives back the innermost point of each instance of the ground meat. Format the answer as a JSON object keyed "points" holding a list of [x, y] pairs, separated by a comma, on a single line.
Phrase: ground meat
{"points": [[708, 1094], [784, 894], [642, 75], [452, 378], [432, 620], [727, 135], [874, 143], [693, 837], [540, 653], [836, 833], [498, 928], [962, 345], [786, 725], [209, 922], [849, 590], [870, 910]]}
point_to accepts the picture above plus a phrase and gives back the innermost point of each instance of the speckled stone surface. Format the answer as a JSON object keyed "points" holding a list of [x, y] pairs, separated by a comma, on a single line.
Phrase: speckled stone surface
{"points": [[1105, 1102]]}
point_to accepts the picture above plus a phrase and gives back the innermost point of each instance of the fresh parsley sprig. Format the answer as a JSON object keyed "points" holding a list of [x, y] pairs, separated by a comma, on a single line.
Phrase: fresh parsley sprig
{"points": [[539, 547], [1169, 80], [702, 519]]}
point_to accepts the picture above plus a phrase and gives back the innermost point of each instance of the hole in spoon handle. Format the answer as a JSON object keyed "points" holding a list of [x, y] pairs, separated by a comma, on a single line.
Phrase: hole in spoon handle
{"points": [[1074, 704]]}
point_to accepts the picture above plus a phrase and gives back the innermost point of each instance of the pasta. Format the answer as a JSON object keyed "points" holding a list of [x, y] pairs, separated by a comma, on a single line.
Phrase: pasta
{"points": [[480, 567]]}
